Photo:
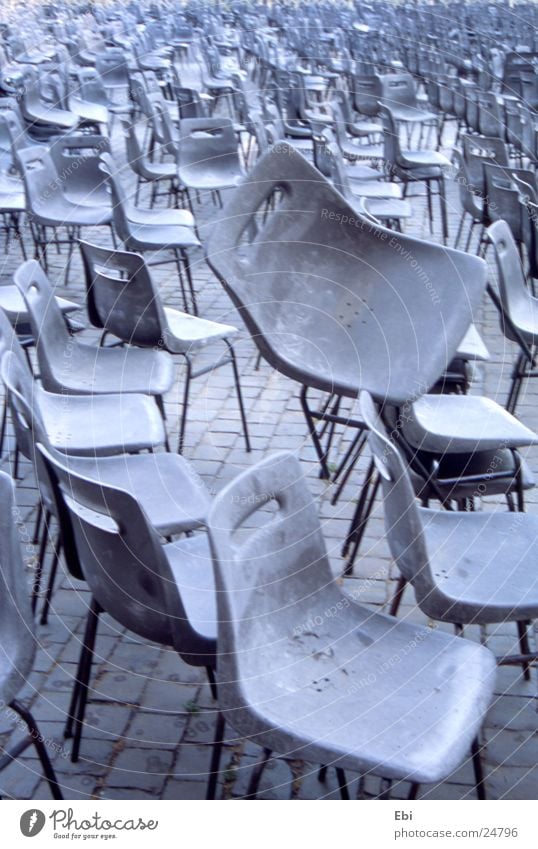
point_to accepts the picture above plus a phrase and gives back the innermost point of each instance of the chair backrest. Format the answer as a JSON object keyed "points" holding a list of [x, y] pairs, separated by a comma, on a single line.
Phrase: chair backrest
{"points": [[17, 643], [265, 577], [48, 324], [124, 561], [403, 523], [111, 65], [120, 295], [120, 204], [76, 160], [189, 103], [468, 198], [348, 285], [367, 92], [478, 151], [207, 138], [503, 197], [392, 153], [398, 90], [514, 294]]}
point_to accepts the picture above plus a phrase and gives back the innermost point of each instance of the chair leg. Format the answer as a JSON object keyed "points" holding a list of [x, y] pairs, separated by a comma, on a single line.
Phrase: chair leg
{"points": [[187, 267], [239, 394], [524, 647], [257, 772], [41, 750], [52, 576], [322, 774], [442, 204], [478, 771], [38, 518], [40, 560], [398, 595], [215, 757], [186, 391], [85, 672], [342, 783], [322, 457], [212, 682], [413, 791]]}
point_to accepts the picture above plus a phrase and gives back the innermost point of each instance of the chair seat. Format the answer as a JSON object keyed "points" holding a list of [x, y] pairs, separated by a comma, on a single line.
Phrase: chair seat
{"points": [[208, 177], [459, 423], [173, 496], [59, 211], [186, 333], [361, 172], [459, 476], [154, 237], [50, 116], [481, 566], [12, 302], [409, 114], [331, 701], [472, 346], [424, 159], [190, 561], [101, 424], [388, 208], [362, 151], [107, 370], [364, 128], [94, 113], [11, 201], [376, 189], [160, 217]]}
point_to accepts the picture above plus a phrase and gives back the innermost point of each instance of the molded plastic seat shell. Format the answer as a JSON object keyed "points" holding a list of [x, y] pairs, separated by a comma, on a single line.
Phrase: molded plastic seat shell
{"points": [[297, 681], [330, 299]]}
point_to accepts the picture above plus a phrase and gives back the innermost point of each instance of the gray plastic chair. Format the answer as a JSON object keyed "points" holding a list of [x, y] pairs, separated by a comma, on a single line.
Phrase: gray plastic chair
{"points": [[357, 280], [172, 495], [76, 161], [98, 425], [122, 300], [292, 679], [415, 166], [50, 212], [208, 155], [154, 230], [75, 368], [17, 641], [517, 306], [163, 593], [465, 568]]}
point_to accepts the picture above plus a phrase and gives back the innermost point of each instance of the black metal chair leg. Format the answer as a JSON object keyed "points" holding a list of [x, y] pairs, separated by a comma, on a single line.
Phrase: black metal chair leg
{"points": [[239, 395], [314, 434], [524, 647], [40, 560], [342, 783], [398, 595], [41, 750], [257, 772], [38, 518], [52, 577], [322, 774], [215, 758], [186, 391], [413, 791], [86, 666], [478, 771], [212, 682]]}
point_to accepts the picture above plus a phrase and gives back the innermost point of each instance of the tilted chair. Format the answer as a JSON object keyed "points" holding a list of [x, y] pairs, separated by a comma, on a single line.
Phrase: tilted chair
{"points": [[17, 640], [163, 593], [291, 679], [123, 300], [465, 568]]}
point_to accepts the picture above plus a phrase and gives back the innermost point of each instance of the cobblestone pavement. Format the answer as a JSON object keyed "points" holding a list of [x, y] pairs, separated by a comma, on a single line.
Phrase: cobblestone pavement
{"points": [[151, 717]]}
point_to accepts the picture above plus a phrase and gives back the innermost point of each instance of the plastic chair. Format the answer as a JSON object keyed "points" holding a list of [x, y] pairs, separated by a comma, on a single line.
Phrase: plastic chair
{"points": [[50, 212], [17, 640], [299, 691], [41, 116], [154, 230], [163, 593], [167, 487], [412, 166], [399, 96], [76, 161], [122, 300], [147, 171], [208, 155], [473, 203], [518, 308], [69, 366], [465, 568]]}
